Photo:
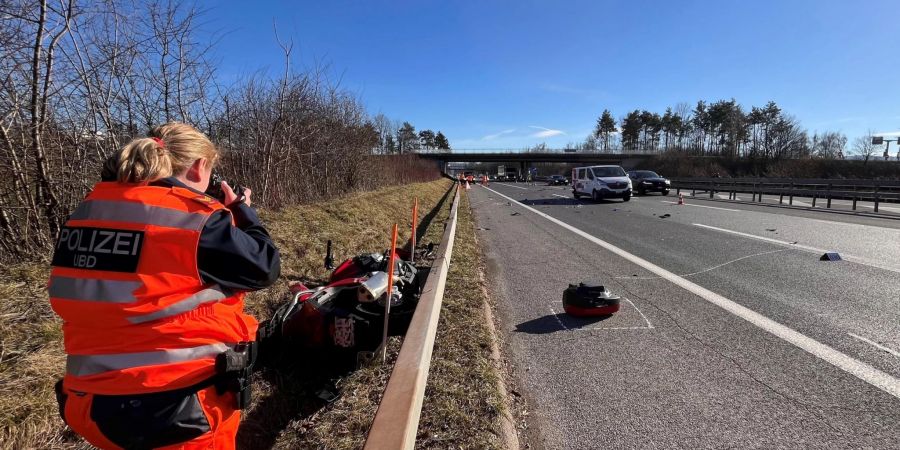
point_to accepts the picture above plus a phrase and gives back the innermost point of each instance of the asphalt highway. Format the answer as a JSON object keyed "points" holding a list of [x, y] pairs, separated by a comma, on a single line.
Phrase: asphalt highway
{"points": [[732, 332]]}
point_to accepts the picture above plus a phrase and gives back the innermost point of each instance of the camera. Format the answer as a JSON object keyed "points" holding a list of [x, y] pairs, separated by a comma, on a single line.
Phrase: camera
{"points": [[215, 189]]}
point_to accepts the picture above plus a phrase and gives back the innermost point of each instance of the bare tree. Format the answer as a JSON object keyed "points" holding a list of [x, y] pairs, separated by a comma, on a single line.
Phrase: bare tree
{"points": [[78, 79], [829, 145], [864, 148]]}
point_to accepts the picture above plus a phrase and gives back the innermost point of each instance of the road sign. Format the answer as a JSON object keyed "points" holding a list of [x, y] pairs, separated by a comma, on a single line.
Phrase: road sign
{"points": [[877, 140]]}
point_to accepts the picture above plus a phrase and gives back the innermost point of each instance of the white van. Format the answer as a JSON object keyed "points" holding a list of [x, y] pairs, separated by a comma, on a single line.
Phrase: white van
{"points": [[599, 182]]}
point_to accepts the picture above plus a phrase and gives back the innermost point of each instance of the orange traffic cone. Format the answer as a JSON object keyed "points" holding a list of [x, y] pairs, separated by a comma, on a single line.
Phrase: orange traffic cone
{"points": [[680, 199]]}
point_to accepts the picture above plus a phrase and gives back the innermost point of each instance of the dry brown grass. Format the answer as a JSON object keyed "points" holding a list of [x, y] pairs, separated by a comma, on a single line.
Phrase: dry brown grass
{"points": [[287, 412], [462, 404]]}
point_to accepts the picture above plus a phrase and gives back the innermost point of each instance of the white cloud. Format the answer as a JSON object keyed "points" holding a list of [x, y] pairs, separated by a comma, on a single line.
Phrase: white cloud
{"points": [[491, 137], [888, 133], [546, 132]]}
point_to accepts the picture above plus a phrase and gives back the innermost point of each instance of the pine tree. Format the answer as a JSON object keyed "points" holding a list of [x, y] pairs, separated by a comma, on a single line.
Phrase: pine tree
{"points": [[407, 140], [426, 139], [441, 142], [606, 125]]}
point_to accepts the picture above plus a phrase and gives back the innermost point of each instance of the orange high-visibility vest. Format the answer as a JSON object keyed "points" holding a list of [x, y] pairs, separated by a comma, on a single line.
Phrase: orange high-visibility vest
{"points": [[137, 318]]}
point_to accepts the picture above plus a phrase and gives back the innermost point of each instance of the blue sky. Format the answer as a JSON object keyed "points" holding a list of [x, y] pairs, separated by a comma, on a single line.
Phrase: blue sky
{"points": [[492, 74]]}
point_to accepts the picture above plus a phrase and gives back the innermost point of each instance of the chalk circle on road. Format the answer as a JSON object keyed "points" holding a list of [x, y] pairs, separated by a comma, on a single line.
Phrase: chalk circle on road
{"points": [[629, 317]]}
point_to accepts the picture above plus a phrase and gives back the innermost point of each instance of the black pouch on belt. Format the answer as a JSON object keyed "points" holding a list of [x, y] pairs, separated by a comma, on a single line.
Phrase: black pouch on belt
{"points": [[233, 368]]}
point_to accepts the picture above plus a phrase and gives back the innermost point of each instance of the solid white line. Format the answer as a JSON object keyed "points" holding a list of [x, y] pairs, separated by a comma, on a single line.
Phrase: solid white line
{"points": [[850, 258], [509, 185], [702, 206], [855, 367], [879, 346]]}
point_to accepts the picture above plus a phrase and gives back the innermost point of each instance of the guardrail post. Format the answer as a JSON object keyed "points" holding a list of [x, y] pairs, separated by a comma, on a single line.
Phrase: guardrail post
{"points": [[791, 195], [815, 194], [828, 196], [760, 194], [876, 198], [677, 192], [854, 202], [693, 192], [712, 190]]}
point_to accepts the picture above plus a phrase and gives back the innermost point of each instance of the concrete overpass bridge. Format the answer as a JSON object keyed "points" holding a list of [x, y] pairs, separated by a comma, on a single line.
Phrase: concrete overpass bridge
{"points": [[525, 159]]}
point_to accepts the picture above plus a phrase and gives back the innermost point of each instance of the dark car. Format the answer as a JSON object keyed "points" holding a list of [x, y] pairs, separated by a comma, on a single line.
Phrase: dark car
{"points": [[556, 180], [645, 181]]}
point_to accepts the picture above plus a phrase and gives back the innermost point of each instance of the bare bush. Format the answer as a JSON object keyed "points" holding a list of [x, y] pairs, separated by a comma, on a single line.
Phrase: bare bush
{"points": [[79, 79]]}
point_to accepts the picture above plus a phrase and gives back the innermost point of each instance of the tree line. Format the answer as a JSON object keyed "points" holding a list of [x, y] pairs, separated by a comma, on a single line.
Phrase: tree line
{"points": [[721, 128], [81, 78], [396, 138]]}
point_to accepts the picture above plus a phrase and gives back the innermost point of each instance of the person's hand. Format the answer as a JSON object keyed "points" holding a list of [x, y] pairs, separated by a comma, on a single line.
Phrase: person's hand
{"points": [[231, 197]]}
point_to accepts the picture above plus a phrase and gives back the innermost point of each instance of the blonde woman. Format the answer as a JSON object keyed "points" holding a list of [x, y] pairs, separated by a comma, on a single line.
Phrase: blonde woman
{"points": [[148, 276]]}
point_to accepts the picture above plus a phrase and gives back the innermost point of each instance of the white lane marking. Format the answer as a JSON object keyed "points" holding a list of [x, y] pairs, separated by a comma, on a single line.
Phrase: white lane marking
{"points": [[556, 316], [853, 366], [561, 196], [877, 345], [848, 257], [509, 185], [702, 206], [705, 270], [649, 325]]}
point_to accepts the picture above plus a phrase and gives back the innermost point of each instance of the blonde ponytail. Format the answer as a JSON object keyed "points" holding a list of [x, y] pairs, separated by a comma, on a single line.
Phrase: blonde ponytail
{"points": [[170, 150], [143, 159]]}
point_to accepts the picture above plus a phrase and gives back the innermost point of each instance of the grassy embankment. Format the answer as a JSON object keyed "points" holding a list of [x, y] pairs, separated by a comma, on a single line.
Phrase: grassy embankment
{"points": [[462, 406]]}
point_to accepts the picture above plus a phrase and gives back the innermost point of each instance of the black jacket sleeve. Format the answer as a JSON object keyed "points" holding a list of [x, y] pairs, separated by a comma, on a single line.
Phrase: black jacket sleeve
{"points": [[242, 257]]}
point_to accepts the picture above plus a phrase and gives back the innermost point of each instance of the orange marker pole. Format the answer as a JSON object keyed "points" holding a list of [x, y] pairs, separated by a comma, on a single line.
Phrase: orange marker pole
{"points": [[390, 291], [412, 236]]}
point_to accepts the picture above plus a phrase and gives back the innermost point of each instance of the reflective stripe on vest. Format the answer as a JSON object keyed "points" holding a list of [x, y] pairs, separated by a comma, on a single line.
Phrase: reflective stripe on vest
{"points": [[125, 211], [90, 289], [125, 331], [182, 306], [84, 365]]}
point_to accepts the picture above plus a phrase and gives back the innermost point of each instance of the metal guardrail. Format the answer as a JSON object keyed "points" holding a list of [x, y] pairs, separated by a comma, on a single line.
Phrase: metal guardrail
{"points": [[875, 191], [397, 419]]}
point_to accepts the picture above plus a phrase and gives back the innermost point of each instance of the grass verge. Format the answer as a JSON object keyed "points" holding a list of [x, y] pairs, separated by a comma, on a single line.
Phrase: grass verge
{"points": [[462, 404], [464, 401]]}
